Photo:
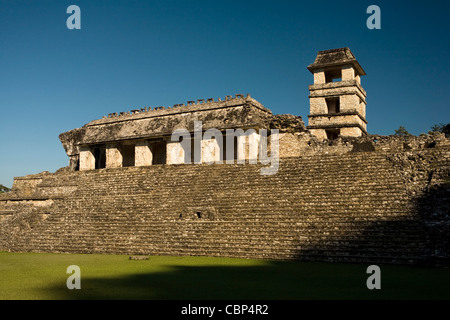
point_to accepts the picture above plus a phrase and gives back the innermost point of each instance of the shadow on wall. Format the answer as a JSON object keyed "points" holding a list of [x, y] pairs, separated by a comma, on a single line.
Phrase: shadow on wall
{"points": [[420, 239], [434, 210]]}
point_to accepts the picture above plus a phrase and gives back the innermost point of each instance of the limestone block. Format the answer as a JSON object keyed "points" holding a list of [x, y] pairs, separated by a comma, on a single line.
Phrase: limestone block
{"points": [[143, 154], [351, 132], [253, 147], [248, 146], [290, 145], [241, 141], [317, 106], [319, 133], [348, 73], [87, 159], [319, 77], [362, 108], [210, 151], [349, 102], [25, 187], [114, 157], [175, 153]]}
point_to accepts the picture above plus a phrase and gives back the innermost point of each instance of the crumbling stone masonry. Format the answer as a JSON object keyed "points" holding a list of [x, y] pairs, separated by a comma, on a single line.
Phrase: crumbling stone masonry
{"points": [[344, 196], [143, 137]]}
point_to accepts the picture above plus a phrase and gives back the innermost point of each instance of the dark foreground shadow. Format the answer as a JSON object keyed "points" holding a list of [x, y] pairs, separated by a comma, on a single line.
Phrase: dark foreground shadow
{"points": [[268, 280], [273, 280]]}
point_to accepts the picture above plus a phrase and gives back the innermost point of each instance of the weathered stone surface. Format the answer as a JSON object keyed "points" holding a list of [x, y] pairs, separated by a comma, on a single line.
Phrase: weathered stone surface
{"points": [[286, 123], [232, 113], [333, 203]]}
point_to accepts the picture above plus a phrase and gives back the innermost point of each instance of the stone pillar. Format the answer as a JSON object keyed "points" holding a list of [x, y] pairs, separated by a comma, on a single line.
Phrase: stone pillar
{"points": [[248, 152], [74, 162], [114, 157], [210, 151], [143, 154], [348, 73], [240, 156], [253, 147], [319, 77], [174, 153], [87, 159]]}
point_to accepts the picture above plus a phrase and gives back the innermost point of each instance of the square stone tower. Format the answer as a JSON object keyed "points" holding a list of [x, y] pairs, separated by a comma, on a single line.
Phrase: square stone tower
{"points": [[337, 100]]}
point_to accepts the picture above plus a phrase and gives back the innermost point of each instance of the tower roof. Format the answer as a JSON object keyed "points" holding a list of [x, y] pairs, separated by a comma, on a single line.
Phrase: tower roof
{"points": [[335, 57]]}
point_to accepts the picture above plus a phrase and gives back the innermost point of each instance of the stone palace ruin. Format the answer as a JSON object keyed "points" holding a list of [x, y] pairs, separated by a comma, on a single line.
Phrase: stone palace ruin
{"points": [[189, 180]]}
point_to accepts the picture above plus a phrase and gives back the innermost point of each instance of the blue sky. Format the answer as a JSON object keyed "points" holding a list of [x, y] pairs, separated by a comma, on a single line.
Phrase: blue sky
{"points": [[158, 53]]}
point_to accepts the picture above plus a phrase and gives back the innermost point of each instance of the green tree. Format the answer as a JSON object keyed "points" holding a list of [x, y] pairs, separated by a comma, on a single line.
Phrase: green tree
{"points": [[401, 131], [4, 189], [444, 128]]}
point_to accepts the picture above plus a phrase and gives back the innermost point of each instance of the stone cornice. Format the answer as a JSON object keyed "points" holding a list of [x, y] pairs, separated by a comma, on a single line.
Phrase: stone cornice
{"points": [[192, 106], [337, 85], [337, 126], [340, 114]]}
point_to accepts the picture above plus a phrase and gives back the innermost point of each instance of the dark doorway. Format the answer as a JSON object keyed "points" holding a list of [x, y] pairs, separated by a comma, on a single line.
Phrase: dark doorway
{"points": [[128, 155], [159, 152], [100, 156]]}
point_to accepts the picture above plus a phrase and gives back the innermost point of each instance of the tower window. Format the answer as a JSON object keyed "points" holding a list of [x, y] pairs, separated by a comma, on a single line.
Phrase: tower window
{"points": [[332, 134], [333, 76], [333, 105]]}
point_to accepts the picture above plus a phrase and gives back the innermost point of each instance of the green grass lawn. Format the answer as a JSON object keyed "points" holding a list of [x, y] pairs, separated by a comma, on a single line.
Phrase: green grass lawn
{"points": [[43, 276]]}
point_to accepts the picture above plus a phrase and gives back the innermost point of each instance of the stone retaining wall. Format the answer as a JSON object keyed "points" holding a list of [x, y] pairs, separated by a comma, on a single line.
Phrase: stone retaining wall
{"points": [[355, 205]]}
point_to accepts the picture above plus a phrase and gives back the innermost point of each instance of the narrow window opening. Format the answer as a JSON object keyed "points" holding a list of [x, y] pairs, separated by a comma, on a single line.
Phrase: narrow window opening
{"points": [[332, 134], [333, 105], [199, 214]]}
